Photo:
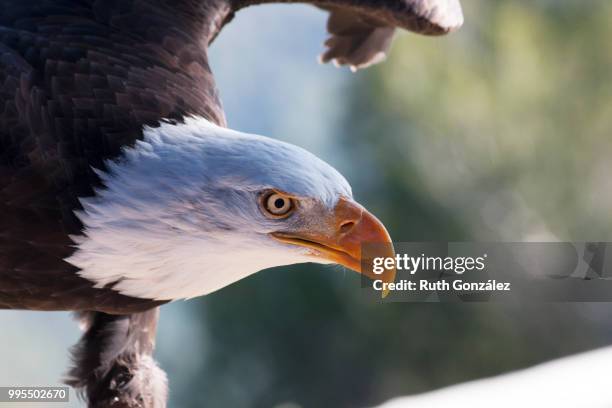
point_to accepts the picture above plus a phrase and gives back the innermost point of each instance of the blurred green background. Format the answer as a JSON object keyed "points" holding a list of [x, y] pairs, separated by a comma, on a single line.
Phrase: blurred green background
{"points": [[499, 132]]}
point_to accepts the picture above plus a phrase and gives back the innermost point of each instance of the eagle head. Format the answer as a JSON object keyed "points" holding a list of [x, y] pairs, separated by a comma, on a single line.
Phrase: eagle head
{"points": [[194, 207]]}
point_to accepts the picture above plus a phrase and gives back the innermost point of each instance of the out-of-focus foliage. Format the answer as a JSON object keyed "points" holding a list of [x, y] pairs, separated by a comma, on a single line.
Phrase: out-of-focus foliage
{"points": [[506, 124], [500, 132]]}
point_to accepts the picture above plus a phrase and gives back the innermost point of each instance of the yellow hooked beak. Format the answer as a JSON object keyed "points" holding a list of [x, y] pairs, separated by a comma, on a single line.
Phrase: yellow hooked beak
{"points": [[341, 236]]}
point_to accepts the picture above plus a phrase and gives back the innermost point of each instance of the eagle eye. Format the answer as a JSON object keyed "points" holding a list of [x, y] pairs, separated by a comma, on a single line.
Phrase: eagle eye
{"points": [[277, 205]]}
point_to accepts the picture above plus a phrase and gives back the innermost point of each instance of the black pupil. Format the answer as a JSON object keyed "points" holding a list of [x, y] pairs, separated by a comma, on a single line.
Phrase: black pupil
{"points": [[279, 203]]}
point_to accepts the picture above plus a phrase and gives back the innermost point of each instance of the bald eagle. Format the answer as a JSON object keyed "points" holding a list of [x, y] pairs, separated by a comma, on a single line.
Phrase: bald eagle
{"points": [[119, 179]]}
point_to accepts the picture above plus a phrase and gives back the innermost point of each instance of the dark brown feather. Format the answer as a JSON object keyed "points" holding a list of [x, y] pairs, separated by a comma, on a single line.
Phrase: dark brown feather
{"points": [[78, 80], [361, 37], [356, 40]]}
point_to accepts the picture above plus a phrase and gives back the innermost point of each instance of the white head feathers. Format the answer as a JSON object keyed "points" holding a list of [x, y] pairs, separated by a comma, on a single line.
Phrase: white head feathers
{"points": [[179, 216]]}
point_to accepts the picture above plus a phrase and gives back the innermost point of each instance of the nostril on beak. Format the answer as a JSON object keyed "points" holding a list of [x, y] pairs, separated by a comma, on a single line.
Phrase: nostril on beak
{"points": [[346, 226]]}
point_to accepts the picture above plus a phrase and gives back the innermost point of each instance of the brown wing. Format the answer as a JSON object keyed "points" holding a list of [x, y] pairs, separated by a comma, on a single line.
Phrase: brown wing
{"points": [[361, 36], [356, 40], [77, 84]]}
